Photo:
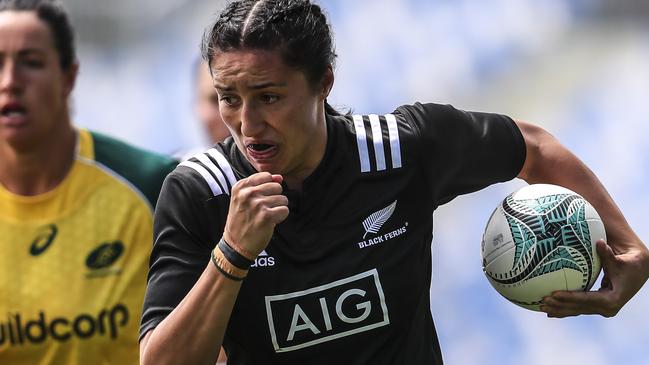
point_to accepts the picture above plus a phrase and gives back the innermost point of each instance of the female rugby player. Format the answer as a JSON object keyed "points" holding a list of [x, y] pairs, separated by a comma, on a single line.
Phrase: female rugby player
{"points": [[75, 207], [305, 239]]}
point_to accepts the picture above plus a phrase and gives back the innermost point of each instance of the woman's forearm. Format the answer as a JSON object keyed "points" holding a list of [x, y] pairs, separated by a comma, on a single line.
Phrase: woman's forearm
{"points": [[194, 330], [548, 161]]}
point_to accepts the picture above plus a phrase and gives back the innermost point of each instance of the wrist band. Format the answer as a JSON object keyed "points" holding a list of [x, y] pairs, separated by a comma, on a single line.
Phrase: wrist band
{"points": [[225, 267], [233, 256]]}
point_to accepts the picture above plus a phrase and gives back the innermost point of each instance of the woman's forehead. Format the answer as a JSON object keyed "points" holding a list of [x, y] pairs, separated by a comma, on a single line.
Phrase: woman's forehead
{"points": [[24, 29], [252, 65], [246, 58]]}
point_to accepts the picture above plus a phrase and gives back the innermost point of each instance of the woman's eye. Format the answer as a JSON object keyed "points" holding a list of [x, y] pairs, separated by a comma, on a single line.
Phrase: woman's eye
{"points": [[33, 63], [228, 100], [269, 98]]}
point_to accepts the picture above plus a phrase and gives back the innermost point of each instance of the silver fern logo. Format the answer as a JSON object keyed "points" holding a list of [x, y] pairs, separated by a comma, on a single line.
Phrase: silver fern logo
{"points": [[373, 224], [376, 220]]}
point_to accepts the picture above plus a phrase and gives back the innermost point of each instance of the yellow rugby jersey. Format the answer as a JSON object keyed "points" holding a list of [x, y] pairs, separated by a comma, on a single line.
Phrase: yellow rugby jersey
{"points": [[73, 261]]}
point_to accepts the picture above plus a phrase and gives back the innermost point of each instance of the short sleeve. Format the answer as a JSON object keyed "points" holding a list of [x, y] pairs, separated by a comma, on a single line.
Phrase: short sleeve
{"points": [[188, 222], [462, 152]]}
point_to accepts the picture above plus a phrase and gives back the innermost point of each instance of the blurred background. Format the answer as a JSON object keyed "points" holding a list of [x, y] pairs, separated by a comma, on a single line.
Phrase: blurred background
{"points": [[577, 67]]}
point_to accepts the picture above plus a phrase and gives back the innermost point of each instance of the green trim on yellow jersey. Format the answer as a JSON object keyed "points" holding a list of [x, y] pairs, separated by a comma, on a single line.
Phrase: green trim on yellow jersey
{"points": [[142, 171], [73, 261], [146, 175]]}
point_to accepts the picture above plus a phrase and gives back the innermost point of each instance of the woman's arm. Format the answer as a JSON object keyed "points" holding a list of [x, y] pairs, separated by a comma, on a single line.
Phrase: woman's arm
{"points": [[625, 259], [193, 332]]}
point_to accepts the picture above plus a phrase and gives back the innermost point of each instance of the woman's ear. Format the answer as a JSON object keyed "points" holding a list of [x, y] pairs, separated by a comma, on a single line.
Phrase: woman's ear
{"points": [[327, 83], [70, 79]]}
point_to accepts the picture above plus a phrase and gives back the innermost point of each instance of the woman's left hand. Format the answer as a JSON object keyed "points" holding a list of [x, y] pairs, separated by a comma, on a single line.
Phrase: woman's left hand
{"points": [[624, 275]]}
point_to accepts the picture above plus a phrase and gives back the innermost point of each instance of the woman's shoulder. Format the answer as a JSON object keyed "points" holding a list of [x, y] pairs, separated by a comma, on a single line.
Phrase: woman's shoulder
{"points": [[214, 168], [144, 169]]}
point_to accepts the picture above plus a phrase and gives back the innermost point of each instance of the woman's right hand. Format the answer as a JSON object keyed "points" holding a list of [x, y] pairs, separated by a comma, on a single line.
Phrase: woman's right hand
{"points": [[256, 206]]}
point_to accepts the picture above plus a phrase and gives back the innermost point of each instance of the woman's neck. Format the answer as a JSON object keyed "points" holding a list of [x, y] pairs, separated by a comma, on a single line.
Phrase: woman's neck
{"points": [[316, 151], [39, 169]]}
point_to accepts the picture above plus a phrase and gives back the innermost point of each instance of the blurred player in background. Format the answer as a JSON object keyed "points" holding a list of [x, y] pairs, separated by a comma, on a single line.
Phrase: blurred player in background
{"points": [[206, 109], [305, 238], [75, 207], [207, 104]]}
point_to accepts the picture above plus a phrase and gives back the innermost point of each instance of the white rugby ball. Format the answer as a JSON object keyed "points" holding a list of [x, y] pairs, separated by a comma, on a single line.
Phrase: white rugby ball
{"points": [[540, 239]]}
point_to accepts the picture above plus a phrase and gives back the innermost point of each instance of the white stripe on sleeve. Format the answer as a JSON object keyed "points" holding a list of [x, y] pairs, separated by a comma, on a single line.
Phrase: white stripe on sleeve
{"points": [[395, 146], [215, 170], [361, 140], [223, 164], [214, 186]]}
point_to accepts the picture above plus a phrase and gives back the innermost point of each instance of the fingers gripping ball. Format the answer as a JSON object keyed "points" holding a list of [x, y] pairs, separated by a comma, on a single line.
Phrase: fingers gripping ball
{"points": [[540, 239]]}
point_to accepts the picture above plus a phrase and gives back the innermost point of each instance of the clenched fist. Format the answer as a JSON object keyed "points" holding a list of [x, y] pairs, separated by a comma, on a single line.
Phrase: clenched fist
{"points": [[256, 206]]}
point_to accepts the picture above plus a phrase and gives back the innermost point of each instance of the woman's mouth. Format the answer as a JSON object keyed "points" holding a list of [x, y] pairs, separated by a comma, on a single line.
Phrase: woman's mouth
{"points": [[13, 115], [261, 151]]}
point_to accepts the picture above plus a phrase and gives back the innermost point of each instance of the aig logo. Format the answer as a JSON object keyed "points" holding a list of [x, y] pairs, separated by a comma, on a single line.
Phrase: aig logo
{"points": [[327, 312]]}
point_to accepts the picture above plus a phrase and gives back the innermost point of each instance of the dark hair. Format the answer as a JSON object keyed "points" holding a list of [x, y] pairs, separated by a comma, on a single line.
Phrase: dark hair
{"points": [[298, 29], [55, 16]]}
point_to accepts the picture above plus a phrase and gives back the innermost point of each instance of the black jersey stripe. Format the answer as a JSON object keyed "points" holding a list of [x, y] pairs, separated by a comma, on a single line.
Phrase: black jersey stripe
{"points": [[377, 141], [361, 141], [209, 179], [214, 170], [224, 165], [387, 149], [225, 182], [370, 142]]}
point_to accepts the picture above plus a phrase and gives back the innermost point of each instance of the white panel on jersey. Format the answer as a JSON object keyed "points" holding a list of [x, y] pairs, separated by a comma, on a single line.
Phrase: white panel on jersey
{"points": [[377, 138], [214, 186], [215, 170], [361, 140], [223, 164], [395, 146]]}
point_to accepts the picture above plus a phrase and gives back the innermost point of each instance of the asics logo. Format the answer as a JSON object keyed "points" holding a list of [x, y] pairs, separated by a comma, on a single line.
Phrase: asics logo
{"points": [[43, 240]]}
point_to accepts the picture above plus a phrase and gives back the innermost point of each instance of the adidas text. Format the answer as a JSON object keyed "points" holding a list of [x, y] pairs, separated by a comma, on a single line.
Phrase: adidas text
{"points": [[263, 260]]}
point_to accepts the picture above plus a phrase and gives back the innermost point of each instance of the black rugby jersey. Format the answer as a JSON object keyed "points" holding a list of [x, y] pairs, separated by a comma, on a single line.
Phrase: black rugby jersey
{"points": [[345, 278]]}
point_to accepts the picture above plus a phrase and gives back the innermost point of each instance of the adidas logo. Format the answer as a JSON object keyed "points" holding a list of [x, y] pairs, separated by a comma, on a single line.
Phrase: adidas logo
{"points": [[263, 260]]}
